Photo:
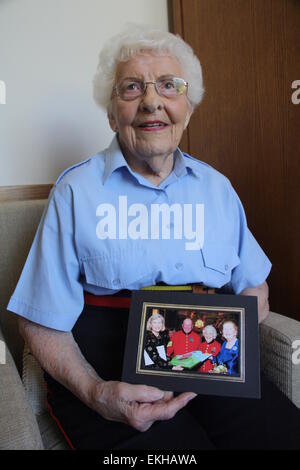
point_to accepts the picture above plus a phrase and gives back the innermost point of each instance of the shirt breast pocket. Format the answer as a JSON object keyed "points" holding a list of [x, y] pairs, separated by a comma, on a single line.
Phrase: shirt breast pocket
{"points": [[118, 268], [219, 260]]}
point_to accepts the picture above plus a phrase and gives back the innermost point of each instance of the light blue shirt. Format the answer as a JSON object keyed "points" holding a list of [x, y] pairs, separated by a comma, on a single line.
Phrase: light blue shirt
{"points": [[102, 197]]}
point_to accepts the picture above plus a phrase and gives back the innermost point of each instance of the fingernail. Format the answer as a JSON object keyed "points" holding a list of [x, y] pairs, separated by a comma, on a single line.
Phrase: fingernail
{"points": [[190, 398]]}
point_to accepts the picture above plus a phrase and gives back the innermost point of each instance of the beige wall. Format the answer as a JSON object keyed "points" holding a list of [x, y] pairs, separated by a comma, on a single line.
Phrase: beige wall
{"points": [[48, 56]]}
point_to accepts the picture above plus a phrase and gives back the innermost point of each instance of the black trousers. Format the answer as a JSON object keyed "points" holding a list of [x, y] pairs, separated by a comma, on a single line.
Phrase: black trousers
{"points": [[207, 422]]}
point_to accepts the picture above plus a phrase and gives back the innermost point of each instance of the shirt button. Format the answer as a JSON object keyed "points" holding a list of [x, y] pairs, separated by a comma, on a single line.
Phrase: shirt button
{"points": [[116, 282], [226, 267], [178, 266]]}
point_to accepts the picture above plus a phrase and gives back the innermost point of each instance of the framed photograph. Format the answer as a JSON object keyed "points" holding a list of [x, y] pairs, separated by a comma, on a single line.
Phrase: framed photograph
{"points": [[179, 341]]}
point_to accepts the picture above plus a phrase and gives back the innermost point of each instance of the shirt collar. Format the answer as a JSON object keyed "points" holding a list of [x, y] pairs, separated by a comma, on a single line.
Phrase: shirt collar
{"points": [[179, 163], [114, 159], [185, 162]]}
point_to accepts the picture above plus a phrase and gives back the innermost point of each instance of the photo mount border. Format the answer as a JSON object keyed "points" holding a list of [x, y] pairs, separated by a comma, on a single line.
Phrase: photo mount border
{"points": [[248, 387]]}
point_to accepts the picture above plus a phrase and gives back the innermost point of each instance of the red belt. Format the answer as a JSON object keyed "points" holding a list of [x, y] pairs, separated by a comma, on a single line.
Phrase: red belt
{"points": [[119, 301], [107, 301]]}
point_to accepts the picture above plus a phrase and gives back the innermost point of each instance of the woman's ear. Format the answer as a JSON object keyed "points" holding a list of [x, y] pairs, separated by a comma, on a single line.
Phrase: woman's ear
{"points": [[112, 121], [189, 113]]}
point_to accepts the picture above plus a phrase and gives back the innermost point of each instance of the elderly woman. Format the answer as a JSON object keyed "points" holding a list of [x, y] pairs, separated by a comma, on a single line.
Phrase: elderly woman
{"points": [[100, 238], [209, 346], [157, 338], [229, 354]]}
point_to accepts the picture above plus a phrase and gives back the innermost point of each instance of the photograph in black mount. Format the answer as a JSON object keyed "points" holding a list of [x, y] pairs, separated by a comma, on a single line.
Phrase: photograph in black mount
{"points": [[180, 341]]}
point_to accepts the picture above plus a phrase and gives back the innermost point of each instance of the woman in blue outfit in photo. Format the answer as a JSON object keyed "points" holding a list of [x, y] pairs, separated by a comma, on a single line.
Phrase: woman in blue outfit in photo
{"points": [[229, 354]]}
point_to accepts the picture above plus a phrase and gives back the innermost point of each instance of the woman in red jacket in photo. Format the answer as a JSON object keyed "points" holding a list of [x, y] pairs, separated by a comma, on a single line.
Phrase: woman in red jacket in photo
{"points": [[209, 346]]}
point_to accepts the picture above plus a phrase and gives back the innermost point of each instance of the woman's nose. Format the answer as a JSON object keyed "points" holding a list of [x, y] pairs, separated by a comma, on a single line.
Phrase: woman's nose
{"points": [[151, 100]]}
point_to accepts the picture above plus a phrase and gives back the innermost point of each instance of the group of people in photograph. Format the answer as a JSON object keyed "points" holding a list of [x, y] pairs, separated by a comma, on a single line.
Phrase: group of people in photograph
{"points": [[217, 341]]}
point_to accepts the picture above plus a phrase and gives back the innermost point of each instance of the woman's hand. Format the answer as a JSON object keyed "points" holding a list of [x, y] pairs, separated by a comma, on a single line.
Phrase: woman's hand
{"points": [[138, 406], [262, 294]]}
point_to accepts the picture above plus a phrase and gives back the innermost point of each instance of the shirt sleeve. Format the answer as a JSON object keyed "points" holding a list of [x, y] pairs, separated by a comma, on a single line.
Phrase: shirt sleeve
{"points": [[254, 266], [170, 345], [49, 291]]}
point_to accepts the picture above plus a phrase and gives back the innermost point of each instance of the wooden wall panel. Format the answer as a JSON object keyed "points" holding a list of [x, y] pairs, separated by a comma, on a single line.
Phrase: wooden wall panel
{"points": [[247, 126], [26, 192]]}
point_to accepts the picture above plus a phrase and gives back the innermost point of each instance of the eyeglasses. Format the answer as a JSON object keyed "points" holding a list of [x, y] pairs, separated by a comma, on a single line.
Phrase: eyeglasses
{"points": [[131, 88]]}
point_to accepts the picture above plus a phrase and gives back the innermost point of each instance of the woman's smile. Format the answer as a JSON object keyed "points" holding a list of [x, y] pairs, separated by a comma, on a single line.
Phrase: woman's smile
{"points": [[152, 126]]}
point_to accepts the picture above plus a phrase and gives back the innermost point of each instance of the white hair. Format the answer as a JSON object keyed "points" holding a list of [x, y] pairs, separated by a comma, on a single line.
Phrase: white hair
{"points": [[212, 328], [134, 40]]}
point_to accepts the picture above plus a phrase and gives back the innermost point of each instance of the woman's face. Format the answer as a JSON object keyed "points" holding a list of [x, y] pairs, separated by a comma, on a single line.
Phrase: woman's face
{"points": [[208, 335], [229, 331], [156, 325], [129, 118]]}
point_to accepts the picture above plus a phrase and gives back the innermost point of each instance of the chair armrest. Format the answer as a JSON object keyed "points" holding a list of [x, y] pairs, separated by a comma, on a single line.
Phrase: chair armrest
{"points": [[277, 337], [18, 426]]}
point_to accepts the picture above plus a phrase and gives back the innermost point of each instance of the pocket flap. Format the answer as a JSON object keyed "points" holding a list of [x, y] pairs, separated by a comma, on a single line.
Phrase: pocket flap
{"points": [[114, 271], [220, 257]]}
